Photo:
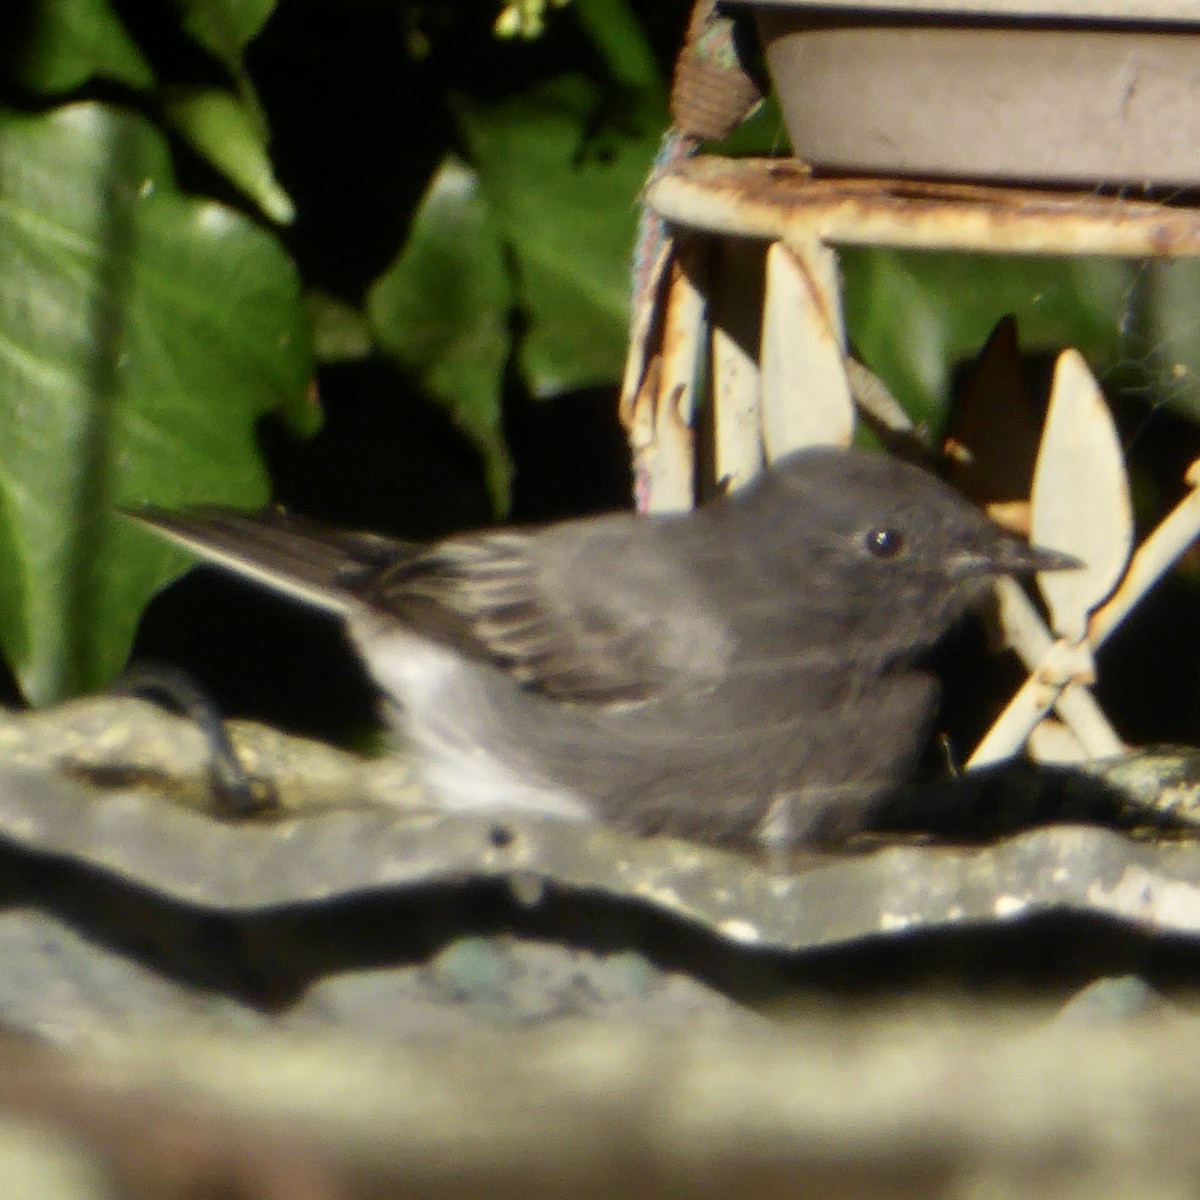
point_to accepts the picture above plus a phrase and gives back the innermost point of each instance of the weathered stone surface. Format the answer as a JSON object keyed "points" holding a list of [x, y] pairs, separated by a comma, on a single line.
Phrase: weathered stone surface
{"points": [[899, 1102], [355, 844]]}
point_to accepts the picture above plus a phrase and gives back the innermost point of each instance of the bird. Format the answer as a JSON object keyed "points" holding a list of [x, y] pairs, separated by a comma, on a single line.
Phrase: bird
{"points": [[752, 672]]}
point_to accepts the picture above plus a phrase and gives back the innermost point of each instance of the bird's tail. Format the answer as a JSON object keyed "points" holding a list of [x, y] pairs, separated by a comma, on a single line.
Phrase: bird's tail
{"points": [[309, 561]]}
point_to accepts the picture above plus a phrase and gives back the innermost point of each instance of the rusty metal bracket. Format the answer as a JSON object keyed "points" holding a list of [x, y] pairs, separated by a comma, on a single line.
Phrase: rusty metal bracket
{"points": [[799, 388]]}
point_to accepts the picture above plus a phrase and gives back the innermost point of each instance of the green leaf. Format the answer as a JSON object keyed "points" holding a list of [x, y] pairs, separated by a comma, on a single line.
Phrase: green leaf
{"points": [[70, 42], [340, 332], [224, 27], [229, 135], [142, 335], [615, 31], [442, 310], [913, 317], [563, 191]]}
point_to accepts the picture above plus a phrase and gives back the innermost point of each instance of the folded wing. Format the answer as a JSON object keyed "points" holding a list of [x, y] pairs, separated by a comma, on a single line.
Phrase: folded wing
{"points": [[588, 611]]}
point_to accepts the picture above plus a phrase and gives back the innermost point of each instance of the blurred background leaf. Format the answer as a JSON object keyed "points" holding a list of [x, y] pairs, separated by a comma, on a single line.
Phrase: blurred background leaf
{"points": [[443, 310], [193, 193], [57, 47], [463, 209], [229, 134], [121, 378], [913, 316], [564, 198]]}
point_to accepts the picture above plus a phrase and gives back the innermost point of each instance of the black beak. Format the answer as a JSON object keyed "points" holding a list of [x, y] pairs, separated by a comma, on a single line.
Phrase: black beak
{"points": [[1039, 558], [1008, 555]]}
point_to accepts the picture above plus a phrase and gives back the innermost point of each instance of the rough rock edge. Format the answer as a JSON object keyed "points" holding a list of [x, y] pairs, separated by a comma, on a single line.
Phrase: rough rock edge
{"points": [[191, 857]]}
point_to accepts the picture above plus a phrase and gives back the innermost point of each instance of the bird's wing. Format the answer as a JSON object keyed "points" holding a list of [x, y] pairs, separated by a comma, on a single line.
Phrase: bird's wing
{"points": [[589, 618], [592, 620]]}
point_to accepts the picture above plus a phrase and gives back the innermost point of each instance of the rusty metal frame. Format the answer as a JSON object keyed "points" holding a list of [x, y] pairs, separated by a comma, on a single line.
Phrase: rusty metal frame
{"points": [[800, 390], [778, 199]]}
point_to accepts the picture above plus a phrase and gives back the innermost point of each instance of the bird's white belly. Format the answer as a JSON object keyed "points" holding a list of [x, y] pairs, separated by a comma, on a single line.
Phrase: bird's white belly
{"points": [[443, 703]]}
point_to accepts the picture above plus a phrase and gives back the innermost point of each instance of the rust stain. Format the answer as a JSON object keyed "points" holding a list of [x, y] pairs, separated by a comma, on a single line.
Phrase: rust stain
{"points": [[663, 346], [675, 331], [779, 189], [671, 409], [1052, 676], [646, 334], [637, 417], [1012, 514], [817, 294]]}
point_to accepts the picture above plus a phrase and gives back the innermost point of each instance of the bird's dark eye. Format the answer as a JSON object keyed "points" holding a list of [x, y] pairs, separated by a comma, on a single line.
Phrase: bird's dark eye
{"points": [[885, 543]]}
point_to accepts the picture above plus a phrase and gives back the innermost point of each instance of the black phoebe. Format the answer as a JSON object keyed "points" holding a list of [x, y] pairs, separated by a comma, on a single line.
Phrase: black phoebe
{"points": [[748, 671]]}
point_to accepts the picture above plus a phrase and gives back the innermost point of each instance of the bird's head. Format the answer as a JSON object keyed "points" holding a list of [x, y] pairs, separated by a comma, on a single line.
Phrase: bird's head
{"points": [[891, 548]]}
